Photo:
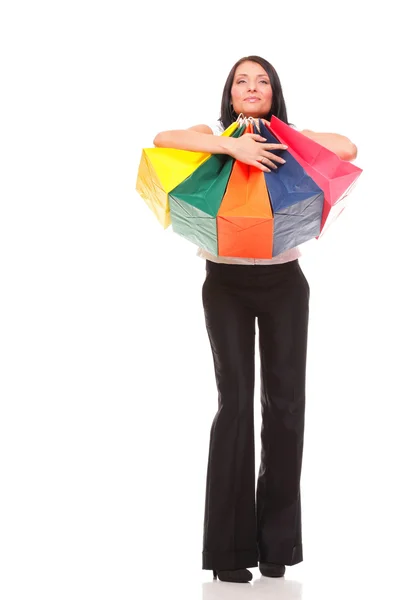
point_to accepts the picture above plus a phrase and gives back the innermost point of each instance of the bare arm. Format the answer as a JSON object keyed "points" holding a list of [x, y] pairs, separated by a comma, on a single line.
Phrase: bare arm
{"points": [[247, 148], [339, 144], [196, 139]]}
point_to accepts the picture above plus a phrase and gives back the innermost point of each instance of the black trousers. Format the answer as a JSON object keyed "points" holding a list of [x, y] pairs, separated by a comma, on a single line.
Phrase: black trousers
{"points": [[245, 523]]}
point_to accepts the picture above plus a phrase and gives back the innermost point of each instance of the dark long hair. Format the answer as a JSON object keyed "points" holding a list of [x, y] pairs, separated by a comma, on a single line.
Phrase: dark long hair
{"points": [[278, 107]]}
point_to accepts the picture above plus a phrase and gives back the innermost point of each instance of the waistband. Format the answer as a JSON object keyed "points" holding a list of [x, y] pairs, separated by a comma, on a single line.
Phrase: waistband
{"points": [[226, 268]]}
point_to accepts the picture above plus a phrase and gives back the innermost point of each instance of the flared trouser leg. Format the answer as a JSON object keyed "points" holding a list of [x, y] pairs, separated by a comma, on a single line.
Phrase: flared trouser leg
{"points": [[283, 343], [230, 540]]}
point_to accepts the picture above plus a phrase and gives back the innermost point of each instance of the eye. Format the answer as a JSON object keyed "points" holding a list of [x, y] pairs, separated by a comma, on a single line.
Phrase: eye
{"points": [[241, 81], [264, 81]]}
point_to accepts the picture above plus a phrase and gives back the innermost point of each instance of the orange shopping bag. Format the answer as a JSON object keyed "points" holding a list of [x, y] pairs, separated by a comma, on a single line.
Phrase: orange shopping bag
{"points": [[245, 220]]}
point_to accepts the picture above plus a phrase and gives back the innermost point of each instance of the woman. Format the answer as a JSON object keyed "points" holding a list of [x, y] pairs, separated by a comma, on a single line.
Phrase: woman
{"points": [[243, 528]]}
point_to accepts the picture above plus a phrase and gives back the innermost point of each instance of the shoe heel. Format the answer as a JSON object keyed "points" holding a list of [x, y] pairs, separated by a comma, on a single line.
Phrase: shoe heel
{"points": [[214, 574]]}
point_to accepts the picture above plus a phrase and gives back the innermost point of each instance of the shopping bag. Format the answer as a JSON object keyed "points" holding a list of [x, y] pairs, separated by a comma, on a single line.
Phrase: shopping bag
{"points": [[195, 202], [297, 201], [245, 220], [162, 169], [336, 177]]}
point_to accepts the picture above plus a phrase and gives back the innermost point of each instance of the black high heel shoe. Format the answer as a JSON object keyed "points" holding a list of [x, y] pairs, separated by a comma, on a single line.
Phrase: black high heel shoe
{"points": [[235, 576], [272, 570]]}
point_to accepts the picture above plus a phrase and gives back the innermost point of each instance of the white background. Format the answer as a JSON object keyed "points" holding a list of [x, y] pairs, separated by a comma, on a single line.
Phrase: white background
{"points": [[107, 382]]}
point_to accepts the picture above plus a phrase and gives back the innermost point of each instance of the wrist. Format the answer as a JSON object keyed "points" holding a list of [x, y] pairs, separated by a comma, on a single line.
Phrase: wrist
{"points": [[227, 145]]}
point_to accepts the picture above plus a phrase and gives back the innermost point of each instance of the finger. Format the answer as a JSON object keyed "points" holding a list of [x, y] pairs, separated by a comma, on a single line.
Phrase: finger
{"points": [[274, 157], [266, 161], [256, 137], [261, 166], [275, 146]]}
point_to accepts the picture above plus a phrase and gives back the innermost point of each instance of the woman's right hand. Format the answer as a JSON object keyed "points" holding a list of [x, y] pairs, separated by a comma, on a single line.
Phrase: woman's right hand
{"points": [[250, 149]]}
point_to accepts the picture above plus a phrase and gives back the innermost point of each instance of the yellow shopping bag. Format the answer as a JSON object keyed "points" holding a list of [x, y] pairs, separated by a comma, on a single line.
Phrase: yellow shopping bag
{"points": [[162, 169]]}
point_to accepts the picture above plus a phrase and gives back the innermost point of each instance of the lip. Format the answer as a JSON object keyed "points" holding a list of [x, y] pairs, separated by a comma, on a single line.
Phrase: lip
{"points": [[251, 98]]}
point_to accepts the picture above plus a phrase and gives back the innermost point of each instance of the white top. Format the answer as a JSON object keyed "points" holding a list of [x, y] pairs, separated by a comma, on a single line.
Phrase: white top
{"points": [[286, 256]]}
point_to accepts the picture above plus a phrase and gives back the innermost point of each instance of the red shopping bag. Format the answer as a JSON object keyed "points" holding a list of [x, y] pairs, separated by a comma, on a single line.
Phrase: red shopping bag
{"points": [[336, 177]]}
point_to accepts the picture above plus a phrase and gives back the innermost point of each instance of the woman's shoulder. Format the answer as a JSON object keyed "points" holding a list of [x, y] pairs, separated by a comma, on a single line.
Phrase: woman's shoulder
{"points": [[217, 127], [214, 127]]}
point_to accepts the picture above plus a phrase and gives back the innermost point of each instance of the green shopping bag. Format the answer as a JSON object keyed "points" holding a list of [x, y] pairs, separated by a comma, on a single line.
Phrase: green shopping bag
{"points": [[195, 202]]}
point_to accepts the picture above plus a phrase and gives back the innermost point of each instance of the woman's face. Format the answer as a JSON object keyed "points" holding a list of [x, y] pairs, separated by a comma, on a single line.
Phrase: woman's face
{"points": [[251, 92]]}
